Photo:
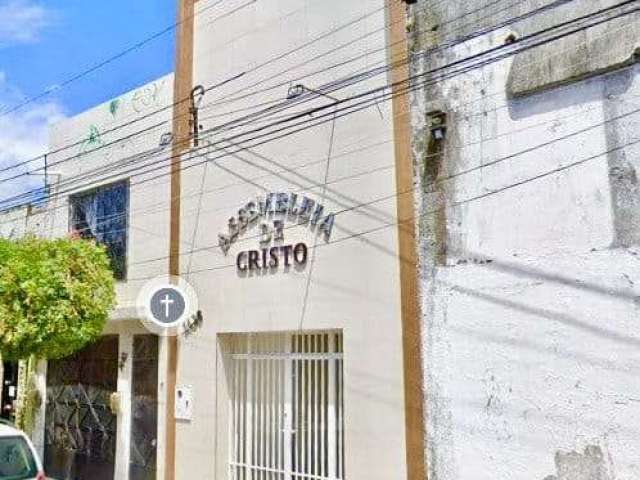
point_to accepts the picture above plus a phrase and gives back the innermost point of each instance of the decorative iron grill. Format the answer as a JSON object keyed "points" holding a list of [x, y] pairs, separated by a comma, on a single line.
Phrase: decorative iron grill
{"points": [[80, 429], [287, 407]]}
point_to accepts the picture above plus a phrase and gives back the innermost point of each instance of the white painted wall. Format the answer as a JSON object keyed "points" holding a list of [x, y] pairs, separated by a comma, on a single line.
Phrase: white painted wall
{"points": [[140, 117], [353, 281], [128, 129], [531, 329]]}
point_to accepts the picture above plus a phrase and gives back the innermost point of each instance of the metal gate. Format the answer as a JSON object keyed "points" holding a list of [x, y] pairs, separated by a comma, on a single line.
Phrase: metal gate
{"points": [[80, 429], [144, 408], [286, 407]]}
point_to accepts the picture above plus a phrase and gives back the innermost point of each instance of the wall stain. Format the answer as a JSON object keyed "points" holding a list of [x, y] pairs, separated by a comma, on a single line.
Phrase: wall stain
{"points": [[590, 465]]}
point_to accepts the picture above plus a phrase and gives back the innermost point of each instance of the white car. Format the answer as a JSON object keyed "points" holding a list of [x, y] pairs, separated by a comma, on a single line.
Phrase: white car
{"points": [[18, 458]]}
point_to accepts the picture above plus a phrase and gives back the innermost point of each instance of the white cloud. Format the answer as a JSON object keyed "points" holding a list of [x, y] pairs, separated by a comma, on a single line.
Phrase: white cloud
{"points": [[21, 21], [24, 134]]}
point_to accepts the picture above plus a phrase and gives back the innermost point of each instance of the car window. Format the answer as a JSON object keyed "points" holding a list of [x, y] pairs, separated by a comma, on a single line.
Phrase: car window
{"points": [[16, 459]]}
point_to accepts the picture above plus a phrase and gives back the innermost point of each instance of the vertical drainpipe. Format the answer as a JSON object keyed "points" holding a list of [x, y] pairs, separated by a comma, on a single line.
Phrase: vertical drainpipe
{"points": [[407, 248], [183, 84]]}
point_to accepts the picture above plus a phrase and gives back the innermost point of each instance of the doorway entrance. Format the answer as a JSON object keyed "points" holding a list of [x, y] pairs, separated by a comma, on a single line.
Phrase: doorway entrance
{"points": [[144, 408], [9, 390], [80, 428], [91, 434], [286, 407]]}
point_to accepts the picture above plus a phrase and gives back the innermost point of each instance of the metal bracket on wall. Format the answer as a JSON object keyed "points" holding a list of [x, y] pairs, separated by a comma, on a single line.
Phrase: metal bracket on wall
{"points": [[197, 94]]}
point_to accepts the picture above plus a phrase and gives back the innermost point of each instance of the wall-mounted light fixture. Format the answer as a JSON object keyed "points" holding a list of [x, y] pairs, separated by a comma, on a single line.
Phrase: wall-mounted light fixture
{"points": [[438, 125], [197, 94], [166, 139], [295, 91], [124, 356], [510, 39], [299, 89]]}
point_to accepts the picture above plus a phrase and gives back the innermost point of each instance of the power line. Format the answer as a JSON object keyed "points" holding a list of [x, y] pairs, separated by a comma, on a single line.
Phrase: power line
{"points": [[374, 72], [422, 215], [125, 137], [385, 68], [300, 166], [466, 201], [209, 88], [529, 150], [237, 76], [350, 43], [472, 66], [156, 177], [545, 174], [293, 169], [484, 195], [104, 62]]}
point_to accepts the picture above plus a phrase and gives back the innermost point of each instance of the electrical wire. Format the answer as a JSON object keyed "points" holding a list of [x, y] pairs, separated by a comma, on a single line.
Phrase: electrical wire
{"points": [[442, 46], [522, 152], [459, 173], [414, 218], [237, 76], [143, 212], [16, 176], [103, 63], [209, 88], [516, 52]]}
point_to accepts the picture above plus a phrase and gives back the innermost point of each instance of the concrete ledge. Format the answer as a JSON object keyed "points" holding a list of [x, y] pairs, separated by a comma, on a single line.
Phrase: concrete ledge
{"points": [[601, 49], [125, 312]]}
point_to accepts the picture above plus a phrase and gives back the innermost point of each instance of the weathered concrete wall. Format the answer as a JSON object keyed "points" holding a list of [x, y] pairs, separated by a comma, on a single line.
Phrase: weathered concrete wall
{"points": [[602, 48], [531, 316]]}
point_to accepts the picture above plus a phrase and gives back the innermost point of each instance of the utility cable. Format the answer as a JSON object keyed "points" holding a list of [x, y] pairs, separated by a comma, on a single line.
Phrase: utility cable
{"points": [[102, 64], [174, 104], [237, 76], [514, 52], [536, 147], [414, 218]]}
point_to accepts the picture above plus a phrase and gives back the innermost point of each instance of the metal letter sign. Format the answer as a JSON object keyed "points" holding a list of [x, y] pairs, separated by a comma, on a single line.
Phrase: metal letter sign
{"points": [[268, 215]]}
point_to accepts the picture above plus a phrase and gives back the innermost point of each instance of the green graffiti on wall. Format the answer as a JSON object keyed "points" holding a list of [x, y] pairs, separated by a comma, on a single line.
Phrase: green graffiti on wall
{"points": [[114, 106], [93, 139], [94, 136]]}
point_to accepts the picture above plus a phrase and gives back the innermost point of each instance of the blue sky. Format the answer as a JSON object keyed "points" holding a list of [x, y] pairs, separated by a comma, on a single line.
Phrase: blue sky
{"points": [[50, 41], [44, 42]]}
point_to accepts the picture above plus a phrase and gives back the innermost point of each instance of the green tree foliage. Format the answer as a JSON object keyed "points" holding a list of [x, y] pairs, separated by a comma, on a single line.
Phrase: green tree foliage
{"points": [[55, 296]]}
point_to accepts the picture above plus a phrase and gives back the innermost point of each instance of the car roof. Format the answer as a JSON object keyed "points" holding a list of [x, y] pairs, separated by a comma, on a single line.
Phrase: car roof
{"points": [[7, 431]]}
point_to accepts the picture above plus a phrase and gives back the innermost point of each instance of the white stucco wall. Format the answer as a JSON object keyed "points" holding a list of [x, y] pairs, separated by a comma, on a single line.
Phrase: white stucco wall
{"points": [[531, 328], [354, 279], [126, 146], [13, 222], [120, 139]]}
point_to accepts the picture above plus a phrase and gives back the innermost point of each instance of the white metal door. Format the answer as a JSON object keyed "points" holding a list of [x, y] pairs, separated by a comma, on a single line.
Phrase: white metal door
{"points": [[286, 407]]}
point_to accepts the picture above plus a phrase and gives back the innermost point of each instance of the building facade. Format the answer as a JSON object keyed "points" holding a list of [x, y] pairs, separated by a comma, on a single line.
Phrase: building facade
{"points": [[289, 236], [283, 172], [530, 234], [107, 180]]}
